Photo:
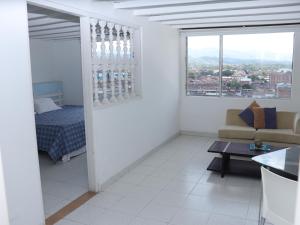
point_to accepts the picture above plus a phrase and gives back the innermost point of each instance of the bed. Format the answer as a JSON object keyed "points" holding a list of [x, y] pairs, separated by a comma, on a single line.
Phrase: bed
{"points": [[60, 133]]}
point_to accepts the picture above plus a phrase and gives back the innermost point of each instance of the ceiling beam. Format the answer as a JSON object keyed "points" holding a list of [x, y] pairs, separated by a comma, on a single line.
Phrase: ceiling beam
{"points": [[45, 32], [49, 24], [67, 34], [235, 19], [48, 20], [236, 24], [215, 6], [55, 28], [36, 18], [156, 3], [58, 38], [239, 12]]}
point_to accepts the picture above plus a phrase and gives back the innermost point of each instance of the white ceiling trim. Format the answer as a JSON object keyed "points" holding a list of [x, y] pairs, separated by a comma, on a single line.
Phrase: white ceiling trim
{"points": [[156, 3], [214, 7], [290, 16], [233, 24], [241, 12]]}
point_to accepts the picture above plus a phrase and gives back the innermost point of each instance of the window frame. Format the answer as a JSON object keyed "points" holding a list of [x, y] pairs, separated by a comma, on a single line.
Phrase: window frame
{"points": [[232, 31]]}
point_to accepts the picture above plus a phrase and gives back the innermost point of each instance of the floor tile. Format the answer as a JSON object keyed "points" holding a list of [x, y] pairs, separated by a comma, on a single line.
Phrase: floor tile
{"points": [[52, 204], [216, 219], [105, 199], [139, 221], [158, 212], [200, 203], [62, 182], [178, 186], [130, 205], [121, 188], [230, 208], [155, 182], [170, 198], [91, 215], [68, 222], [190, 217]]}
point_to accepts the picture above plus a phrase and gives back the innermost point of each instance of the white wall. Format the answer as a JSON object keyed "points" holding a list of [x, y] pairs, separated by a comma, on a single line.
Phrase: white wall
{"points": [[42, 65], [17, 129], [4, 219], [58, 61], [67, 63], [207, 114]]}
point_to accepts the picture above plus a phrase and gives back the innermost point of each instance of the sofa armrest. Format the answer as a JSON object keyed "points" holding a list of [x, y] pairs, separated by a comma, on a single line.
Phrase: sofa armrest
{"points": [[297, 124]]}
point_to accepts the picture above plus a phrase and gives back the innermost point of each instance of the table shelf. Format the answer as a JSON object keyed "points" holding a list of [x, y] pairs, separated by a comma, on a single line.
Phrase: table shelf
{"points": [[236, 167]]}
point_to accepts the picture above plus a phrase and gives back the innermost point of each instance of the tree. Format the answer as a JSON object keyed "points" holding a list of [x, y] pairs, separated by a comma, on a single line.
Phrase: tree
{"points": [[227, 73], [234, 84], [247, 86], [254, 78], [192, 75]]}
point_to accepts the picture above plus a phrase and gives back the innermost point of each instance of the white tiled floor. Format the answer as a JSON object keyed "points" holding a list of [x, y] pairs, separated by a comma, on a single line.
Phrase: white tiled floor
{"points": [[62, 182], [173, 187]]}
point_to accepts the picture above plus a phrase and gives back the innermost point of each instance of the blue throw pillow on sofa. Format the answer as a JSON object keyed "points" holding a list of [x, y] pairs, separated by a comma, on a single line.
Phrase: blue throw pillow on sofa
{"points": [[248, 116], [270, 118]]}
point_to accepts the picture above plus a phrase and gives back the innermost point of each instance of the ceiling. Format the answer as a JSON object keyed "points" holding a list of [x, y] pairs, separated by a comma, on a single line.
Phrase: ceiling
{"points": [[187, 14], [51, 25]]}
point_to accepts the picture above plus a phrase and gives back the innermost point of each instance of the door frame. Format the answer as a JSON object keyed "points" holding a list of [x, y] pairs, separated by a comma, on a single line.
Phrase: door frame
{"points": [[86, 83]]}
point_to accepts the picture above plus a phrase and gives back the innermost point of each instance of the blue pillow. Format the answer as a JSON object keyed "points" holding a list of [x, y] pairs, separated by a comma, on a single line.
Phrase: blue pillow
{"points": [[248, 116], [270, 118]]}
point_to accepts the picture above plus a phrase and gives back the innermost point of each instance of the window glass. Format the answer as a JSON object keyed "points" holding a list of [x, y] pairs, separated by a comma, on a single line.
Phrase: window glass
{"points": [[203, 77], [257, 65]]}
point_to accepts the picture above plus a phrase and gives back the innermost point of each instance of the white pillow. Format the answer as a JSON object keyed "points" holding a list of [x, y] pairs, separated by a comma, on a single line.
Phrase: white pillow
{"points": [[42, 105]]}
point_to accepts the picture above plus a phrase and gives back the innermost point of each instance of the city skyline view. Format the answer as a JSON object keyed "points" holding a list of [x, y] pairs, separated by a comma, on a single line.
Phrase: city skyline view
{"points": [[253, 65]]}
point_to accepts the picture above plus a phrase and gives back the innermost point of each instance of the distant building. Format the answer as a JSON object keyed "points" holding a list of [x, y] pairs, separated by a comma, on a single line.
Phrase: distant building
{"points": [[284, 70], [245, 80], [283, 90], [280, 77]]}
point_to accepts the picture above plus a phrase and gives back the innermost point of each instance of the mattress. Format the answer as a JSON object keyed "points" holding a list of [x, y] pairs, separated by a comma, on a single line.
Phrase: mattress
{"points": [[60, 132]]}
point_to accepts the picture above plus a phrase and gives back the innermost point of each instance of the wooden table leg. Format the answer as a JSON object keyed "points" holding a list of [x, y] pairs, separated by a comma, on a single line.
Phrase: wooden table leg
{"points": [[225, 161]]}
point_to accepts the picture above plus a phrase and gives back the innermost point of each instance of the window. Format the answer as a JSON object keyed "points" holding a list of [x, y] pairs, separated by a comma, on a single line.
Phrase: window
{"points": [[240, 65], [203, 74], [114, 65]]}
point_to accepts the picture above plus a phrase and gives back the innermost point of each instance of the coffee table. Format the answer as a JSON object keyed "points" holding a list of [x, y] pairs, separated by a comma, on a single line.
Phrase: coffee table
{"points": [[226, 165]]}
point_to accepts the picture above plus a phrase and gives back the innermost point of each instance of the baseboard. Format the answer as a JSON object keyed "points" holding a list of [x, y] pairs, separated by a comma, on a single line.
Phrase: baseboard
{"points": [[135, 163], [197, 133]]}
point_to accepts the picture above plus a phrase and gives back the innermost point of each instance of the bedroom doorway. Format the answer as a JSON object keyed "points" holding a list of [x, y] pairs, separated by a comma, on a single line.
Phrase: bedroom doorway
{"points": [[56, 68]]}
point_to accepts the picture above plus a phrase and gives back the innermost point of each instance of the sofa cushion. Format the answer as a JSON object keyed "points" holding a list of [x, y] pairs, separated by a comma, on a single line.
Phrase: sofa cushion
{"points": [[247, 114], [285, 120], [238, 132], [265, 118], [278, 135]]}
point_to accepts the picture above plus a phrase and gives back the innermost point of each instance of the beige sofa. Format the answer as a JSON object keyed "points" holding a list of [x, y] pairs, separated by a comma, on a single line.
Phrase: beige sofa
{"points": [[288, 128]]}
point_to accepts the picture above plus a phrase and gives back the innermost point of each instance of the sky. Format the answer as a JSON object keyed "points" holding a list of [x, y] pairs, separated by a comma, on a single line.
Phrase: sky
{"points": [[275, 46]]}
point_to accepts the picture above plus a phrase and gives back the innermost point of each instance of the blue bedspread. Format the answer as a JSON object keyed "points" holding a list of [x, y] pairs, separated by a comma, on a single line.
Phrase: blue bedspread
{"points": [[61, 131]]}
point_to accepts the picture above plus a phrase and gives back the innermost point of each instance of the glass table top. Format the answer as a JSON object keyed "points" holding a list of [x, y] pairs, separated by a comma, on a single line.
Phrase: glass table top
{"points": [[285, 160]]}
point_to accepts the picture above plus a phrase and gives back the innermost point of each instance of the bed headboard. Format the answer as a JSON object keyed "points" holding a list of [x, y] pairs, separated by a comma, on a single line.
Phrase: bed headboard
{"points": [[52, 89]]}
